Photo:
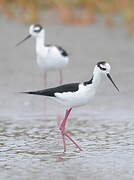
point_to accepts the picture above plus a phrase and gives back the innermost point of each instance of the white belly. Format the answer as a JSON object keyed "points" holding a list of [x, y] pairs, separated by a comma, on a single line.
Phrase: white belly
{"points": [[52, 63], [51, 59], [75, 99]]}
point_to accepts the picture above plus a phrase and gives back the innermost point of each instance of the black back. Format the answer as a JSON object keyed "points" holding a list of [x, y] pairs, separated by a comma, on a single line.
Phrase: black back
{"points": [[73, 87], [88, 82]]}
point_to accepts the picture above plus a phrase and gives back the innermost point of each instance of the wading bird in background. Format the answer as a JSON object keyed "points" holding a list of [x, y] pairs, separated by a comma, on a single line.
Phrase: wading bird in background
{"points": [[49, 57]]}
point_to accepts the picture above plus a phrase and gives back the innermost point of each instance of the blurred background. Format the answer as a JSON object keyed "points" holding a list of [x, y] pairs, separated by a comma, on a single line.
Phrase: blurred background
{"points": [[79, 12]]}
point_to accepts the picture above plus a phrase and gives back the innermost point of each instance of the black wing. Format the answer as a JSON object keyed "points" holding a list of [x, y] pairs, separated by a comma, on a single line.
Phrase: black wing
{"points": [[62, 51], [59, 89], [88, 82]]}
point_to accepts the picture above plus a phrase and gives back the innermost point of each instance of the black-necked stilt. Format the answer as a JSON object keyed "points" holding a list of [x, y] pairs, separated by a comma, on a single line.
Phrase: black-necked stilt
{"points": [[49, 57], [76, 94]]}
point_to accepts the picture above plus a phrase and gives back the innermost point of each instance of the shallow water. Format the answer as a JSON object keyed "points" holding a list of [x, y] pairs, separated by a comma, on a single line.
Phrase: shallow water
{"points": [[32, 149], [30, 142]]}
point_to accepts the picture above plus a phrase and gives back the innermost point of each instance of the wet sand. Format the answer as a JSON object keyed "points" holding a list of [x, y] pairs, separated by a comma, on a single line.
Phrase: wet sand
{"points": [[30, 143]]}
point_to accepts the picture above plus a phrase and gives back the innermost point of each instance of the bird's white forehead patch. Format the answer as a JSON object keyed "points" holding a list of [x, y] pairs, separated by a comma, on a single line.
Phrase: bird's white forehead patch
{"points": [[103, 65], [36, 28], [107, 66]]}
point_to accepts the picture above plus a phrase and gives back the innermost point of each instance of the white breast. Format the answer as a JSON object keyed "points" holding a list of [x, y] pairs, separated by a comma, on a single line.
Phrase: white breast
{"points": [[49, 58]]}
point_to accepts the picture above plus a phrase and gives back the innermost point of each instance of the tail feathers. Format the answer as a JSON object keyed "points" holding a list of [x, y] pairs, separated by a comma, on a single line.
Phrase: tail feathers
{"points": [[34, 93], [45, 92]]}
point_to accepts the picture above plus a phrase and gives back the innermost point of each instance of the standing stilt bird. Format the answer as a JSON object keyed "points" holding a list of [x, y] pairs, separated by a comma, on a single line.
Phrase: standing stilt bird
{"points": [[76, 94], [49, 57]]}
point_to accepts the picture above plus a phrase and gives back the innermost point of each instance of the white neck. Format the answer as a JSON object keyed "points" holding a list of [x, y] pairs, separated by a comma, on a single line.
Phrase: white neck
{"points": [[40, 40], [97, 76]]}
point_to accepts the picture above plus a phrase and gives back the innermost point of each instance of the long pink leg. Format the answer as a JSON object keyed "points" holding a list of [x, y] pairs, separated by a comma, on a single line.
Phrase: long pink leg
{"points": [[62, 127], [61, 76], [61, 81], [63, 133], [45, 83], [63, 124], [45, 78], [73, 141]]}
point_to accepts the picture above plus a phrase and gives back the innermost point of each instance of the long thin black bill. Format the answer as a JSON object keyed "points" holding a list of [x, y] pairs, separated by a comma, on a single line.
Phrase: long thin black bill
{"points": [[23, 40], [108, 75]]}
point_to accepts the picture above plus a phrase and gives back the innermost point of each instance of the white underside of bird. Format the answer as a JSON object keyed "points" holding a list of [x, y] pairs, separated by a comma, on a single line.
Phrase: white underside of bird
{"points": [[75, 99], [49, 58]]}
